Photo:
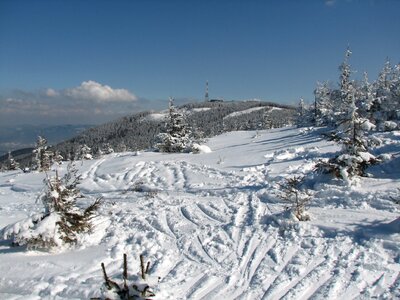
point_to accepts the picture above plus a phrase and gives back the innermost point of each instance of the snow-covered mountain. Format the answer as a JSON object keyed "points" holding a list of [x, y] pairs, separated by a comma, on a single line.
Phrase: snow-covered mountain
{"points": [[138, 131], [17, 137], [214, 226]]}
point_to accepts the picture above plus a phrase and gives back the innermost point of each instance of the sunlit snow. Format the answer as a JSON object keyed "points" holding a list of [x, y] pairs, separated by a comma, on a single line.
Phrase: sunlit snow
{"points": [[214, 228]]}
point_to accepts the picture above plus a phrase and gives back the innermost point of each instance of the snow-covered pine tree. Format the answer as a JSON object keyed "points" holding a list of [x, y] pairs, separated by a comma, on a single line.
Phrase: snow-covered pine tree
{"points": [[58, 158], [305, 114], [43, 157], [395, 89], [350, 132], [301, 111], [11, 164], [106, 149], [366, 98], [85, 152], [395, 92], [267, 120], [323, 106], [61, 221], [386, 107], [121, 147], [382, 92], [177, 135], [346, 89]]}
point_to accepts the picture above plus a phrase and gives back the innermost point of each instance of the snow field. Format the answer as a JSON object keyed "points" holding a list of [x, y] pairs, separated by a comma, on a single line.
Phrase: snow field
{"points": [[216, 230]]}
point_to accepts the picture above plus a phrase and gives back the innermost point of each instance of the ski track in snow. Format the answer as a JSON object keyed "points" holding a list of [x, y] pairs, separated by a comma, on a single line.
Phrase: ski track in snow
{"points": [[202, 228]]}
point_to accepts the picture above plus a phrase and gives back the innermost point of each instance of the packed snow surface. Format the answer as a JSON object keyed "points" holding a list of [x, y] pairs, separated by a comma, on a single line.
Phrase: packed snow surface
{"points": [[213, 226], [156, 116], [199, 109], [243, 112]]}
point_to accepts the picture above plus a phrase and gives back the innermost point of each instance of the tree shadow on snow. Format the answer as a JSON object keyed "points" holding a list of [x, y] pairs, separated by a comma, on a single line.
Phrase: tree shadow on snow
{"points": [[386, 170], [360, 232], [292, 140], [6, 246], [228, 189], [378, 229]]}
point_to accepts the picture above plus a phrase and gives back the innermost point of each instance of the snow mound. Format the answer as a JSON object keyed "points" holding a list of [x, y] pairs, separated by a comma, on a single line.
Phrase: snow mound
{"points": [[201, 148]]}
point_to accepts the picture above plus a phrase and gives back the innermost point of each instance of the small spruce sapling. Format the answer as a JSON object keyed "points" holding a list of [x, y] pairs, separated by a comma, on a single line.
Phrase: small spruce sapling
{"points": [[298, 198], [62, 219], [138, 289]]}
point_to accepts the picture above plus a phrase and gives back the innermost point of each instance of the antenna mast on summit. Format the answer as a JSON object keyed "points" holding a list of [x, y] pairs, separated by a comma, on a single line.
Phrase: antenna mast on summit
{"points": [[206, 96]]}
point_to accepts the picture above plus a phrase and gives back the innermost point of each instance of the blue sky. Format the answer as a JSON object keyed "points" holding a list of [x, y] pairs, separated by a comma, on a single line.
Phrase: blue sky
{"points": [[92, 61]]}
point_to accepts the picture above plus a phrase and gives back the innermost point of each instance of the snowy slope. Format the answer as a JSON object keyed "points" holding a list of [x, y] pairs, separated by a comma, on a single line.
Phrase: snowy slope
{"points": [[243, 112], [206, 222]]}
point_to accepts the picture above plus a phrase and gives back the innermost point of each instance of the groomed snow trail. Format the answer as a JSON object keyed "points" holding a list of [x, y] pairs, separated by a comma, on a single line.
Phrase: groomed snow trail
{"points": [[206, 228]]}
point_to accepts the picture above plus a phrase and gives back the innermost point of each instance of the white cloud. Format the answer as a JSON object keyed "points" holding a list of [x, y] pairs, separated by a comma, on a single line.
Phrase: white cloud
{"points": [[51, 93], [330, 2], [90, 102], [94, 91]]}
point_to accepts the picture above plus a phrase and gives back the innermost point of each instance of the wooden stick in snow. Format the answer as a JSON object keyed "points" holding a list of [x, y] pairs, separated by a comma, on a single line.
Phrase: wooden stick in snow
{"points": [[142, 267], [147, 267], [125, 274]]}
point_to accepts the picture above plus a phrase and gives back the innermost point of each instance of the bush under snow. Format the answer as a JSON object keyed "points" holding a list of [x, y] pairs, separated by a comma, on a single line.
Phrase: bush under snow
{"points": [[61, 221]]}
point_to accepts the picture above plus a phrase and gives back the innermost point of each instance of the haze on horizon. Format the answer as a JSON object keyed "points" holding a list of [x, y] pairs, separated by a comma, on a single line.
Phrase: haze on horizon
{"points": [[87, 62]]}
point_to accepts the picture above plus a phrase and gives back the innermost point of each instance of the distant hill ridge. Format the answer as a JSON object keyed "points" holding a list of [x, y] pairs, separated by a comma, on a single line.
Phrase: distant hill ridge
{"points": [[138, 131]]}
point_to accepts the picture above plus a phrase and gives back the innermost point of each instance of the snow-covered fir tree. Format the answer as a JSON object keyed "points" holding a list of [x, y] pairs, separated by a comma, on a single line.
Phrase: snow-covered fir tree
{"points": [[382, 96], [377, 101], [85, 152], [386, 107], [106, 149], [351, 132], [11, 164], [366, 98], [305, 114], [301, 111], [177, 135], [346, 89], [58, 158], [61, 221], [43, 157], [121, 147], [267, 120], [323, 106]]}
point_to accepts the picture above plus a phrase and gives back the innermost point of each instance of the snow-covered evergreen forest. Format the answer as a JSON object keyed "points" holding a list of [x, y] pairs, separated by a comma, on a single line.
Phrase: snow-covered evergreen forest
{"points": [[139, 131], [234, 200], [374, 100]]}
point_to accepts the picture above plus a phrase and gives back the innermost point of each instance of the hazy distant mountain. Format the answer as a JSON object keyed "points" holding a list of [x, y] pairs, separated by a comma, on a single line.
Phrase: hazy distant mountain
{"points": [[24, 136]]}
